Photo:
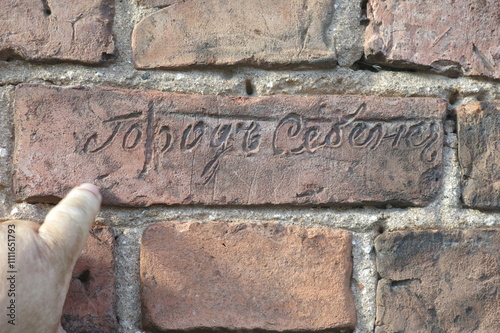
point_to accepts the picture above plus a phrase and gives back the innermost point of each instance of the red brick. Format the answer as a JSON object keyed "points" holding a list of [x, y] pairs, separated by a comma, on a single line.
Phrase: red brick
{"points": [[452, 37], [188, 149], [49, 30], [438, 281], [226, 150], [478, 152], [90, 304], [249, 32], [245, 276]]}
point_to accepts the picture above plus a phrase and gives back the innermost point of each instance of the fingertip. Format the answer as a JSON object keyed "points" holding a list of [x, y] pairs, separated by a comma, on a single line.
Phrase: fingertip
{"points": [[69, 221], [91, 188]]}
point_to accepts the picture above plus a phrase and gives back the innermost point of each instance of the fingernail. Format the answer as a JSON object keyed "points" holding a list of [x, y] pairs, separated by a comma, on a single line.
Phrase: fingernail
{"points": [[91, 188]]}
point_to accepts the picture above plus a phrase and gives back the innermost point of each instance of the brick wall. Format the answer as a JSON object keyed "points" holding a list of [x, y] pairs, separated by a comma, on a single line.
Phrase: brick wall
{"points": [[325, 165]]}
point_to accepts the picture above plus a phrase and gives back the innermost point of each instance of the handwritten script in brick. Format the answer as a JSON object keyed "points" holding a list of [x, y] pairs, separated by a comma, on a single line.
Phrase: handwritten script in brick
{"points": [[147, 147]]}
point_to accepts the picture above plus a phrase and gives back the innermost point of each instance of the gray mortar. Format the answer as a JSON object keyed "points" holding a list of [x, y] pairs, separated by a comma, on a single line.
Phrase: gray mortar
{"points": [[6, 149], [127, 253], [445, 212]]}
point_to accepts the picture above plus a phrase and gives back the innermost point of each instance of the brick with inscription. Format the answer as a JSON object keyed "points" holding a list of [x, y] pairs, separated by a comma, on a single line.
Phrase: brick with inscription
{"points": [[452, 37], [438, 281], [90, 303], [479, 153], [50, 30], [250, 32], [149, 147], [245, 276]]}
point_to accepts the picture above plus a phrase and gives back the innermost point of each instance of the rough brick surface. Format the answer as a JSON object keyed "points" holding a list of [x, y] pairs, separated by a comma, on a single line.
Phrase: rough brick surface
{"points": [[452, 37], [245, 276], [52, 30], [479, 153], [438, 281], [90, 304], [145, 147], [250, 32]]}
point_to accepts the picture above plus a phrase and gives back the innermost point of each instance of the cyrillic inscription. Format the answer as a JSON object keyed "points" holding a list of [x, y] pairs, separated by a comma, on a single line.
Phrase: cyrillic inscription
{"points": [[144, 147]]}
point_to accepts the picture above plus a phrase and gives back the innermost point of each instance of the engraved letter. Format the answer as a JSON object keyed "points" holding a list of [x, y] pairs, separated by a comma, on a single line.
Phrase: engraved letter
{"points": [[351, 117], [357, 131], [293, 131], [198, 130], [397, 136], [251, 139], [414, 132], [92, 140], [433, 137], [333, 138], [336, 131], [311, 139], [165, 138], [220, 135], [128, 144]]}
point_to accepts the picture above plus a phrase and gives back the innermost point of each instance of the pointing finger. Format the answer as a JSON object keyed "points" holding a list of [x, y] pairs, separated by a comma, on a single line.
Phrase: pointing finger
{"points": [[67, 225]]}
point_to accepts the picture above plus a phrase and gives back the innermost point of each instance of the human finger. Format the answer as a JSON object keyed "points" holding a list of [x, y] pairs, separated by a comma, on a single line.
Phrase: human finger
{"points": [[67, 225]]}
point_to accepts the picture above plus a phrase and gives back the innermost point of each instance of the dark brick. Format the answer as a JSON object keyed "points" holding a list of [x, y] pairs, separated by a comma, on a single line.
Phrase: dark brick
{"points": [[479, 153], [452, 37], [245, 276], [438, 281], [67, 30], [91, 302], [249, 32], [146, 147]]}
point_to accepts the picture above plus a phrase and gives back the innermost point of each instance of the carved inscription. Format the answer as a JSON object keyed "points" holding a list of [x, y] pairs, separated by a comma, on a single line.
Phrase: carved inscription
{"points": [[296, 135], [291, 135], [143, 147]]}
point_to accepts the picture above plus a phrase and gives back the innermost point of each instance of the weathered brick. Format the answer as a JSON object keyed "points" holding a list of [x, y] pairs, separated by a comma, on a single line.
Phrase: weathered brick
{"points": [[479, 153], [452, 37], [245, 276], [438, 281], [250, 32], [90, 303], [52, 30], [145, 147]]}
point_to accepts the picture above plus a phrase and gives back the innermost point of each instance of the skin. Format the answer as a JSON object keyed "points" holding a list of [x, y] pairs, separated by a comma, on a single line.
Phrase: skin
{"points": [[44, 259]]}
